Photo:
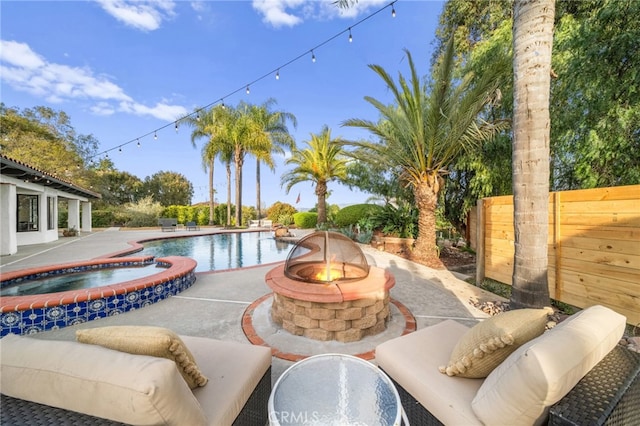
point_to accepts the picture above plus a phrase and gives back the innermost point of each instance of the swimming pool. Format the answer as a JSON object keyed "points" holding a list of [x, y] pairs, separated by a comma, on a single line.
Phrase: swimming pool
{"points": [[86, 278], [221, 251]]}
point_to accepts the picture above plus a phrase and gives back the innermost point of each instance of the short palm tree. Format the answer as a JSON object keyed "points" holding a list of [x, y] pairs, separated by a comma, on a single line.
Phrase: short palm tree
{"points": [[426, 128], [321, 162]]}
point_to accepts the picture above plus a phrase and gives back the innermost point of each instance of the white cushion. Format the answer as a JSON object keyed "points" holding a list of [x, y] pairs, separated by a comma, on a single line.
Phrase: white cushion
{"points": [[234, 369], [412, 361], [90, 379], [541, 372]]}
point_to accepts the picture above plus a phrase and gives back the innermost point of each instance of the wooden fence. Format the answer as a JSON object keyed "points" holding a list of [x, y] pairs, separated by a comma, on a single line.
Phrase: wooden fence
{"points": [[594, 246]]}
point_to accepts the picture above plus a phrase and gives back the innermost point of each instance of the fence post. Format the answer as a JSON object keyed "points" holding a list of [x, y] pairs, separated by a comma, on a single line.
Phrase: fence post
{"points": [[557, 244], [480, 219]]}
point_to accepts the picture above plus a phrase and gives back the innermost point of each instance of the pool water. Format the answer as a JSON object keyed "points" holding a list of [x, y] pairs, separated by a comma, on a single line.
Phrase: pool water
{"points": [[221, 251], [78, 280]]}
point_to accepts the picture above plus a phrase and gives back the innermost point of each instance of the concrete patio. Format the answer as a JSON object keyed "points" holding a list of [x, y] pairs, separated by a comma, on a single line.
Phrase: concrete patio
{"points": [[214, 306]]}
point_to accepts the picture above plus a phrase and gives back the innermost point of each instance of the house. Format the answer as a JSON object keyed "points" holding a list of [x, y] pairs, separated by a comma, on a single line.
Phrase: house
{"points": [[29, 205]]}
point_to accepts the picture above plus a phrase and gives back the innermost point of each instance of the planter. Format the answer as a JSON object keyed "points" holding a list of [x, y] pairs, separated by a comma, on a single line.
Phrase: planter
{"points": [[392, 244]]}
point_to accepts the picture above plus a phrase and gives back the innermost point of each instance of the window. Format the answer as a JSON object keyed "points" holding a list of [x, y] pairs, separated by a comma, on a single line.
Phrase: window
{"points": [[27, 213], [51, 211]]}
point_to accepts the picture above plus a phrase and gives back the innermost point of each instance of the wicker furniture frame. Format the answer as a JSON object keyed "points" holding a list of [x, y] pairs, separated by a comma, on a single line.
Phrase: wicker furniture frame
{"points": [[607, 395], [18, 412]]}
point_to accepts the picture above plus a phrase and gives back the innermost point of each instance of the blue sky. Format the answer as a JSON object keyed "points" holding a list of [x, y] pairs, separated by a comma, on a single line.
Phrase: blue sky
{"points": [[121, 69]]}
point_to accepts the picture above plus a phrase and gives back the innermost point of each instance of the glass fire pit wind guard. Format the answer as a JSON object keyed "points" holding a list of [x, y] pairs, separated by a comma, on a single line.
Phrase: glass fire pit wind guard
{"points": [[324, 257]]}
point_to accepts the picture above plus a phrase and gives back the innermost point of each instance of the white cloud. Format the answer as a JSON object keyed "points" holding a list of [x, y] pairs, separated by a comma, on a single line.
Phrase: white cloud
{"points": [[145, 15], [280, 13], [162, 111], [26, 71], [274, 11]]}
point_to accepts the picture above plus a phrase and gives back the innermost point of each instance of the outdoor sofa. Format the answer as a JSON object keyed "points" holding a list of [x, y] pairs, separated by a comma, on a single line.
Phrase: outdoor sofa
{"points": [[81, 383], [573, 374]]}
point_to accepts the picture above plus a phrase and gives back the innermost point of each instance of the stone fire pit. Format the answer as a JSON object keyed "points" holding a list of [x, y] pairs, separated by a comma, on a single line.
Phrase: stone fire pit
{"points": [[327, 291]]}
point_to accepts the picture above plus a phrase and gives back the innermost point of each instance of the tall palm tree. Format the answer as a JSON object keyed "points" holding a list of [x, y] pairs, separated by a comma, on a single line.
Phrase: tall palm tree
{"points": [[225, 131], [202, 123], [425, 130], [532, 43], [274, 126], [321, 162], [212, 124]]}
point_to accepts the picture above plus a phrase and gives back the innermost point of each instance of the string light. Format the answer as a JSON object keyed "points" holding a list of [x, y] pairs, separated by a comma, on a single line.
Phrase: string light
{"points": [[196, 113]]}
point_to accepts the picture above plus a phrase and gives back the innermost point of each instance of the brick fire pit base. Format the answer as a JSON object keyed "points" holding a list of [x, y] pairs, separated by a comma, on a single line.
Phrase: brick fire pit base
{"points": [[346, 312]]}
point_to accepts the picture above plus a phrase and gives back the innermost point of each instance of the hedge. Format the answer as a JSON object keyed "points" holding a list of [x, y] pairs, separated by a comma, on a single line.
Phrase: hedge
{"points": [[351, 215], [305, 220]]}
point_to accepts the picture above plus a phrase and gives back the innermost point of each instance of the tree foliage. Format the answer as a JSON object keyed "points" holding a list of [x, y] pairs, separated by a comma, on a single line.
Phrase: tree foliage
{"points": [[169, 188], [595, 96], [595, 103], [322, 161]]}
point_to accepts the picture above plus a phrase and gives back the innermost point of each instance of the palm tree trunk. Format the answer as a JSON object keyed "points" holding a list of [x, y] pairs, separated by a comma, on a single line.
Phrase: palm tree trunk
{"points": [[228, 194], [238, 160], [211, 199], [532, 42], [426, 197], [321, 192], [258, 189]]}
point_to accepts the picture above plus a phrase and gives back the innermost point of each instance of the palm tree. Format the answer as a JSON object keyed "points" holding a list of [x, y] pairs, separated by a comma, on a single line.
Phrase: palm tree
{"points": [[425, 130], [202, 123], [225, 131], [212, 124], [321, 162], [274, 126], [532, 42]]}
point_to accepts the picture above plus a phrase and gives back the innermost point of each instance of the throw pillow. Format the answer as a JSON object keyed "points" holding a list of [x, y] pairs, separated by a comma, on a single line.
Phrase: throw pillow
{"points": [[487, 344], [146, 340]]}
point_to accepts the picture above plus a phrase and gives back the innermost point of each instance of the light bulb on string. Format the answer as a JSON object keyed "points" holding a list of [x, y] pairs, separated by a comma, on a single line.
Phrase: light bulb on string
{"points": [[248, 91], [198, 116], [350, 36], [313, 56], [138, 143], [393, 11], [278, 75], [120, 148], [176, 127], [155, 135]]}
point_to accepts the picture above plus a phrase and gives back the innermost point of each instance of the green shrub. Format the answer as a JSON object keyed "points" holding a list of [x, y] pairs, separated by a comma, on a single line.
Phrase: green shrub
{"points": [[103, 218], [279, 209], [248, 213], [351, 215], [202, 215], [145, 212], [305, 220], [401, 221]]}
